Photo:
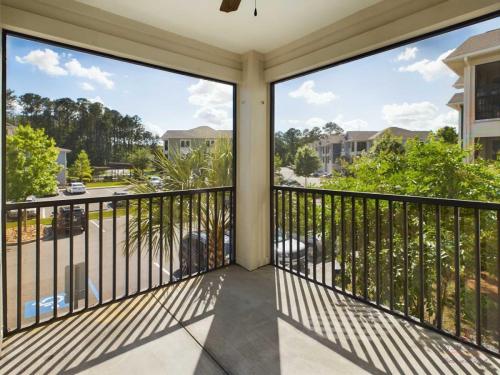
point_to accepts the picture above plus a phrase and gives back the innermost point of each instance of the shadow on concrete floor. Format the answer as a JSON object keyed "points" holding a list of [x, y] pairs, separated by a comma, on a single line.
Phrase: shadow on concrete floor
{"points": [[234, 321]]}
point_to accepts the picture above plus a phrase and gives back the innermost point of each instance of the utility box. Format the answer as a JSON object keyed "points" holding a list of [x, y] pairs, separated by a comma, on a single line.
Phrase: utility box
{"points": [[79, 284]]}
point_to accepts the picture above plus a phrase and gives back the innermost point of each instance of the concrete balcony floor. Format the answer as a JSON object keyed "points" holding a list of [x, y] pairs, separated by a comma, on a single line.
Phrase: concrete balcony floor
{"points": [[239, 322]]}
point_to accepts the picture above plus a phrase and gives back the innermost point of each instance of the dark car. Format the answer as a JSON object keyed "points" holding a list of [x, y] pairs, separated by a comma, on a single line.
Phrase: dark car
{"points": [[63, 220], [199, 252]]}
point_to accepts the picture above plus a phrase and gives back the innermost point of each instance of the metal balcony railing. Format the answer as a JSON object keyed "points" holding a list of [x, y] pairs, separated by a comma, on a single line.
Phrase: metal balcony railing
{"points": [[435, 262], [62, 257]]}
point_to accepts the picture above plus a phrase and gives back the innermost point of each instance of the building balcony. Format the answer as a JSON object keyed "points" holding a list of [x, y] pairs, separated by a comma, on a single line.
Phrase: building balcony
{"points": [[234, 321]]}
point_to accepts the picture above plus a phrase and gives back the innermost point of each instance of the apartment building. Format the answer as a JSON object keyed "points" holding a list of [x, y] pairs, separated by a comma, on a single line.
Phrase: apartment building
{"points": [[182, 141], [477, 63], [346, 146]]}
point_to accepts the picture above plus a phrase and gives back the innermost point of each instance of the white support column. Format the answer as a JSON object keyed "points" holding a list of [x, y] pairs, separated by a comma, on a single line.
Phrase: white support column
{"points": [[253, 182]]}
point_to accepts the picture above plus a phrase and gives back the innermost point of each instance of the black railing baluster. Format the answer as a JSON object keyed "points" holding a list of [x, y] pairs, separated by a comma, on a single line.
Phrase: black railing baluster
{"points": [[19, 267], [498, 279], [297, 207], [207, 218], [231, 227], [405, 258], [456, 217], [315, 245], [100, 252], [114, 250], [276, 229], [190, 233], [290, 229], [223, 227], [171, 238], [86, 224], [199, 248], [139, 236], [283, 229], [181, 224], [421, 273], [365, 250], [5, 311], [216, 231], [54, 270], [342, 242], [333, 239], [438, 267], [477, 250], [391, 256], [37, 266], [150, 243], [127, 247], [71, 266], [323, 247], [161, 243], [306, 219], [377, 250], [353, 245]]}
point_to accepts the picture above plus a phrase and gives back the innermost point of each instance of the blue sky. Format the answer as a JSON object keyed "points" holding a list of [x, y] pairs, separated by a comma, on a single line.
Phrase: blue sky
{"points": [[408, 87], [381, 90], [162, 99]]}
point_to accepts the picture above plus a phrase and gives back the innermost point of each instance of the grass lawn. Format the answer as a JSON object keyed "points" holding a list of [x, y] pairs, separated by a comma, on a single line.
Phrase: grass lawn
{"points": [[106, 184]]}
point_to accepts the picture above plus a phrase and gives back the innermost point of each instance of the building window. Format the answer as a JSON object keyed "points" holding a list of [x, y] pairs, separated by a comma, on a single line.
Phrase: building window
{"points": [[165, 146], [361, 146], [209, 142], [185, 143], [488, 91]]}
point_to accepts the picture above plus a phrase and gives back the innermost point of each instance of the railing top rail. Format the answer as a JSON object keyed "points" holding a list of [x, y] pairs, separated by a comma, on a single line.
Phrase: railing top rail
{"points": [[398, 198], [111, 198]]}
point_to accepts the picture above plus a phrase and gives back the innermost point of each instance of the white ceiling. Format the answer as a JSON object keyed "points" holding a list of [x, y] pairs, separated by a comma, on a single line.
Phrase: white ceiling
{"points": [[278, 22]]}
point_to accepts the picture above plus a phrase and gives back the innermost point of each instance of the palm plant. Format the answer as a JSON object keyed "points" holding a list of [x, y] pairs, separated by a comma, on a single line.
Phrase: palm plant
{"points": [[158, 222]]}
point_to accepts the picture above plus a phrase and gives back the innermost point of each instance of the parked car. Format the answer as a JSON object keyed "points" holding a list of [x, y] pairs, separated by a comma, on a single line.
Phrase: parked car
{"points": [[316, 174], [291, 183], [199, 243], [76, 188], [118, 203], [283, 248], [30, 212], [156, 181], [63, 219]]}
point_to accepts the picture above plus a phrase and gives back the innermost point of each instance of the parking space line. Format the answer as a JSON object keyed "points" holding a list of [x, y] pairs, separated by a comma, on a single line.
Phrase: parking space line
{"points": [[97, 225], [163, 269]]}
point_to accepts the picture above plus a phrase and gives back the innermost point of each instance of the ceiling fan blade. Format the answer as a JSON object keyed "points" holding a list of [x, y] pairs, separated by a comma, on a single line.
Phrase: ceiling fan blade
{"points": [[229, 5]]}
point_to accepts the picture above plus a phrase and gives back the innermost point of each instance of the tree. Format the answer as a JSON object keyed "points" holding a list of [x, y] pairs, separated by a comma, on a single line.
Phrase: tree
{"points": [[332, 128], [81, 167], [447, 134], [200, 168], [31, 164], [306, 162], [141, 159]]}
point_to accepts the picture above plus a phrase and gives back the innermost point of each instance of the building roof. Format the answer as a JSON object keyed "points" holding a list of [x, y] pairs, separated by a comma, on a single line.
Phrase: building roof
{"points": [[359, 135], [330, 139], [403, 133], [456, 100], [476, 43], [201, 132], [459, 83]]}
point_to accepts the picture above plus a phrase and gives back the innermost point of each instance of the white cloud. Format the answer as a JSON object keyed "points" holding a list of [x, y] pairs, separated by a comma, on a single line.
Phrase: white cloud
{"points": [[47, 61], [418, 116], [93, 73], [315, 121], [153, 128], [87, 86], [430, 69], [97, 99], [214, 101], [306, 91], [408, 54], [215, 117], [209, 93], [294, 122]]}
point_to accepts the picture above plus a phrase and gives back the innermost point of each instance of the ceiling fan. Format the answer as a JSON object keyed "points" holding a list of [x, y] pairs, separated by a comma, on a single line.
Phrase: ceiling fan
{"points": [[232, 6]]}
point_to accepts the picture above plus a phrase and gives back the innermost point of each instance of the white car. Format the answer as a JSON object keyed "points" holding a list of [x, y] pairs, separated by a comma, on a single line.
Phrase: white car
{"points": [[155, 181], [76, 188], [30, 212]]}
